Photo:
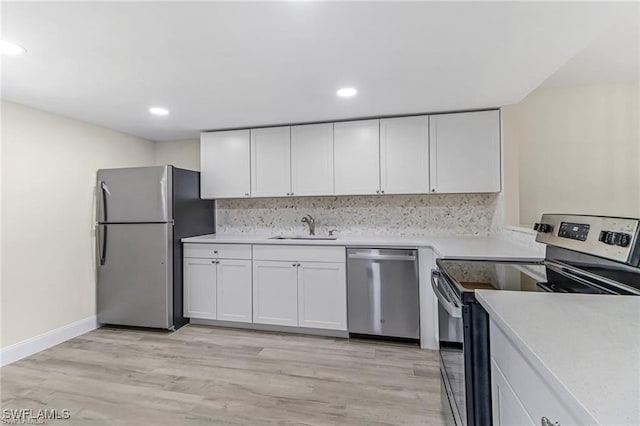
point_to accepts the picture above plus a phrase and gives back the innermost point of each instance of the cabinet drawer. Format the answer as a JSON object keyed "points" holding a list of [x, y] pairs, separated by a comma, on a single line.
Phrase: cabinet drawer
{"points": [[217, 251], [538, 398], [299, 253]]}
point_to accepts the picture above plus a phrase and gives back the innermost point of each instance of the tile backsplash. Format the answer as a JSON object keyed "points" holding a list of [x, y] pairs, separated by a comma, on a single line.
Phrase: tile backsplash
{"points": [[400, 215]]}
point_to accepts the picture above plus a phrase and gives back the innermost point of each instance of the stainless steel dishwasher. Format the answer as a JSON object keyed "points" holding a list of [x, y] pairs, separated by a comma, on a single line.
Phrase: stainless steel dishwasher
{"points": [[382, 292]]}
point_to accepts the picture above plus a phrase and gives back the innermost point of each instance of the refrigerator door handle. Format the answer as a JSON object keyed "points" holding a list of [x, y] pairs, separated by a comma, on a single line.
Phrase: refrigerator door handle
{"points": [[104, 191], [102, 244]]}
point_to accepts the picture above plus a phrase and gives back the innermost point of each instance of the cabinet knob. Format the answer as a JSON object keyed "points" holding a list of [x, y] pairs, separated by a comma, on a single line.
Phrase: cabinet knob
{"points": [[433, 190], [377, 191], [246, 194], [292, 193], [544, 421], [382, 192], [215, 252]]}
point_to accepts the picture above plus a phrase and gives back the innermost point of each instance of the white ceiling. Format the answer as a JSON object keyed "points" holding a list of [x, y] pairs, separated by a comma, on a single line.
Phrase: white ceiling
{"points": [[238, 64], [613, 57]]}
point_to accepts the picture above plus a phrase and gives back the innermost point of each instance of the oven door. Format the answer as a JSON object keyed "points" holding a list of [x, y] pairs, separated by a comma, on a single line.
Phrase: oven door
{"points": [[451, 340]]}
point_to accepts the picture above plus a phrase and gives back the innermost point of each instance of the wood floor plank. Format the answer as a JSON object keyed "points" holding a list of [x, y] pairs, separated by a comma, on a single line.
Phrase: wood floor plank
{"points": [[208, 375]]}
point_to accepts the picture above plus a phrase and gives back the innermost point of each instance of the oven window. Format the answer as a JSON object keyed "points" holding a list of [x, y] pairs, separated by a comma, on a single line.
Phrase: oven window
{"points": [[451, 340]]}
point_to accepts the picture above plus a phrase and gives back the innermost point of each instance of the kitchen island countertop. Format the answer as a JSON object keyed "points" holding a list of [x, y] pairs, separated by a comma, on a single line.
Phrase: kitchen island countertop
{"points": [[586, 347]]}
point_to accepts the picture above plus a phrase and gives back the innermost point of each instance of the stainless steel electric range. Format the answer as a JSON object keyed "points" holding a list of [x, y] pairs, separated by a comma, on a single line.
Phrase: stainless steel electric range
{"points": [[585, 254]]}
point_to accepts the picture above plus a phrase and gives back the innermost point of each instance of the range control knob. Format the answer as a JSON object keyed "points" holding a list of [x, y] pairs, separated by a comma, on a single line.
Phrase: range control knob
{"points": [[623, 240], [543, 227], [609, 238]]}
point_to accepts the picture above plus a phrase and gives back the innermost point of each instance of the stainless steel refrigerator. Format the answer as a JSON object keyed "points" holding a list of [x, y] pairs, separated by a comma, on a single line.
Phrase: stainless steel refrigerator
{"points": [[142, 214]]}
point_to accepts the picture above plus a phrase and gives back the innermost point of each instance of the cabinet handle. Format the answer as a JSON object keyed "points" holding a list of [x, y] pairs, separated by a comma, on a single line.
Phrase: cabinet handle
{"points": [[246, 194], [544, 421]]}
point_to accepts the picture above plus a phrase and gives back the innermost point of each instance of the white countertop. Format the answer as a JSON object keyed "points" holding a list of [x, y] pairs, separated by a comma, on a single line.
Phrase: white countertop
{"points": [[459, 247], [587, 347]]}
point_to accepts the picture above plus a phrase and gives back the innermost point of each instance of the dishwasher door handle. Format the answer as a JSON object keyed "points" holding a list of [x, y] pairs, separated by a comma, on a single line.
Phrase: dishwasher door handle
{"points": [[382, 257]]}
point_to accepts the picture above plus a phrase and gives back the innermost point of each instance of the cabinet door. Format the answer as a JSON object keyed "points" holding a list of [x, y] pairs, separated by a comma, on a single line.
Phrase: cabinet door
{"points": [[275, 293], [312, 159], [465, 152], [200, 288], [225, 164], [271, 162], [322, 295], [234, 290], [507, 409], [357, 157], [404, 155]]}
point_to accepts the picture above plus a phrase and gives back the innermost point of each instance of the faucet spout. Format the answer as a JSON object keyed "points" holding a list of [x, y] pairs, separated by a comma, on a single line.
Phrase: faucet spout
{"points": [[311, 223]]}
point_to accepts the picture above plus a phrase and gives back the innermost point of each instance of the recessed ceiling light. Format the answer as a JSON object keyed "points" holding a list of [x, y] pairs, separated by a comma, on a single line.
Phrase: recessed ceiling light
{"points": [[159, 111], [346, 92], [9, 48]]}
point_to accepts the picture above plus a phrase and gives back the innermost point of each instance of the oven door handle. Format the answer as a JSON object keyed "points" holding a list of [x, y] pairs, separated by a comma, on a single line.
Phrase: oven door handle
{"points": [[443, 298]]}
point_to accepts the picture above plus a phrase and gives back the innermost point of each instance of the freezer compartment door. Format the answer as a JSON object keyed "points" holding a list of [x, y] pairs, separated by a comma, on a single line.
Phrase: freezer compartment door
{"points": [[135, 284], [137, 194]]}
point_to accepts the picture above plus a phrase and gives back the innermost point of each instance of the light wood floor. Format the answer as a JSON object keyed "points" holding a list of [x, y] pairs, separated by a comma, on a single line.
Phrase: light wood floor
{"points": [[207, 375]]}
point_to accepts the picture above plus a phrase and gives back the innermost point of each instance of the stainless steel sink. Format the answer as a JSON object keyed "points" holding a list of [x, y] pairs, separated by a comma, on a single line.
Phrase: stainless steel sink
{"points": [[304, 237]]}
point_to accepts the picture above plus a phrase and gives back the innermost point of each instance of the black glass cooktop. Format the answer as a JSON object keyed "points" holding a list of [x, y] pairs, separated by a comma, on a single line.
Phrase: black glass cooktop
{"points": [[470, 275]]}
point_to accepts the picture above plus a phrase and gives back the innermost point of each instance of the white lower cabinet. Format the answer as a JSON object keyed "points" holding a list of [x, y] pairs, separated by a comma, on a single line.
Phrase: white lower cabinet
{"points": [[215, 287], [200, 288], [322, 296], [520, 395], [234, 290], [275, 292], [285, 285], [507, 408], [300, 286]]}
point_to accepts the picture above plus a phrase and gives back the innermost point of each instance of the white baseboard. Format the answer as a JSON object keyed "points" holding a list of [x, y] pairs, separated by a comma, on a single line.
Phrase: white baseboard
{"points": [[39, 343]]}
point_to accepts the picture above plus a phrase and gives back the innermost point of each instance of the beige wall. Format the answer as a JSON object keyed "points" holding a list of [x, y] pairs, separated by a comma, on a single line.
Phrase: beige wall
{"points": [[577, 151], [48, 173], [184, 154]]}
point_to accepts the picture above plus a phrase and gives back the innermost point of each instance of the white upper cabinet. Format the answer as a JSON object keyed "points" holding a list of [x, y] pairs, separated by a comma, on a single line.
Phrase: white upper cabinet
{"points": [[404, 155], [271, 162], [225, 164], [312, 159], [465, 152], [357, 157]]}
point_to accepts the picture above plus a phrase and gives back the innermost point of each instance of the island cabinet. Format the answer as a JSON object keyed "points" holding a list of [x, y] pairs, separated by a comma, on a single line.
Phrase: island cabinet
{"points": [[520, 395], [217, 282], [300, 286], [225, 164]]}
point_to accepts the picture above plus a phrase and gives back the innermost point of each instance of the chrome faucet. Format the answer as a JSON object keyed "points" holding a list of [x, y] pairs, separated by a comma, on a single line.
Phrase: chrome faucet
{"points": [[311, 223]]}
